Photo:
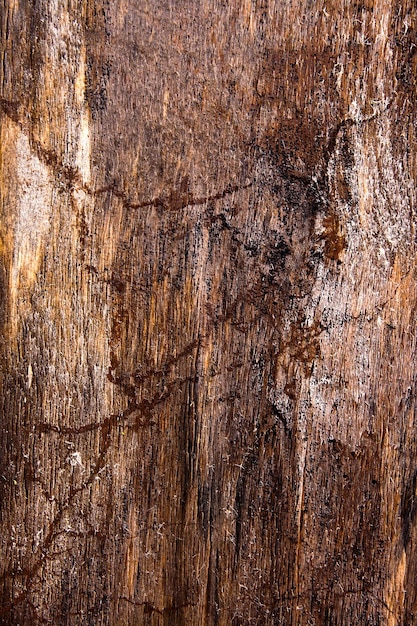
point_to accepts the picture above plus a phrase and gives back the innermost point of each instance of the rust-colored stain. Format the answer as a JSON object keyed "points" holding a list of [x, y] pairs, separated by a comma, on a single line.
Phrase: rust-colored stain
{"points": [[335, 242]]}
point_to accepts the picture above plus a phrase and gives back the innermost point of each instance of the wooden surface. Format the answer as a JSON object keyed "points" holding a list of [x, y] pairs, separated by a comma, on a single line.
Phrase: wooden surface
{"points": [[208, 312]]}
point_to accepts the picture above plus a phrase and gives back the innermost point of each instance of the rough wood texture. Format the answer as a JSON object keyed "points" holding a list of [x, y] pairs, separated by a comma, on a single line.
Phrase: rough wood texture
{"points": [[208, 312]]}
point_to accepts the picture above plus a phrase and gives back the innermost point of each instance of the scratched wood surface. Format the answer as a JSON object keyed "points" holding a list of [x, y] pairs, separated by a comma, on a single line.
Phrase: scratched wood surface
{"points": [[208, 313]]}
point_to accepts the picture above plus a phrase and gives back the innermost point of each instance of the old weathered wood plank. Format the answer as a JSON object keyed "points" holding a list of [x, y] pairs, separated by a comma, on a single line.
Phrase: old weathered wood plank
{"points": [[208, 312]]}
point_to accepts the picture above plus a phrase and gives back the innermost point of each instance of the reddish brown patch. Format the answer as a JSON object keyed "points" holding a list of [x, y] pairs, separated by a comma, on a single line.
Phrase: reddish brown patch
{"points": [[335, 241]]}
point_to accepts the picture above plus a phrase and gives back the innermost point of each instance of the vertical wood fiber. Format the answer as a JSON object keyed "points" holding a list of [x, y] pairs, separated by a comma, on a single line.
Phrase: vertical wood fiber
{"points": [[208, 313]]}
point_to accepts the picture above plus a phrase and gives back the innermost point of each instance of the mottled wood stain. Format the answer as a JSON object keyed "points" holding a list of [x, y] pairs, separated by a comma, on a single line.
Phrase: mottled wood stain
{"points": [[208, 313]]}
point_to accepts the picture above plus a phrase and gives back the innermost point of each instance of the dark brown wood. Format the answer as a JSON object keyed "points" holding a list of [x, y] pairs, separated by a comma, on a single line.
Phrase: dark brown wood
{"points": [[208, 313]]}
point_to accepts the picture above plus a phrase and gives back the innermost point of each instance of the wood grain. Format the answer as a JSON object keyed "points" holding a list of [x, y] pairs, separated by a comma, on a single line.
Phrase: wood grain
{"points": [[208, 312]]}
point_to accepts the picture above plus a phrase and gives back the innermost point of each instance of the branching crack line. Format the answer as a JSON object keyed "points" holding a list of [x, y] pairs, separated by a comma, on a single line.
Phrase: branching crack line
{"points": [[144, 409], [351, 121], [170, 202], [71, 177], [53, 533], [318, 182]]}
